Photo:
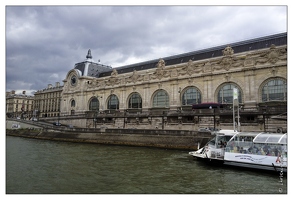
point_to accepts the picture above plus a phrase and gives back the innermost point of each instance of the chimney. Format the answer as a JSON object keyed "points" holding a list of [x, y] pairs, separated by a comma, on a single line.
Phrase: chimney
{"points": [[23, 92], [13, 92], [57, 84], [49, 86]]}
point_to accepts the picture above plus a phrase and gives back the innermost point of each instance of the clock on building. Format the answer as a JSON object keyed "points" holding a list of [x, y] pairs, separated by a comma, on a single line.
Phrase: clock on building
{"points": [[73, 80]]}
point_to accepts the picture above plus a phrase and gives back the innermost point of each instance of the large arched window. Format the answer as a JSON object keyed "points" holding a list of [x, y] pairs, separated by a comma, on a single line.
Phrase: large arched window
{"points": [[135, 101], [274, 89], [161, 99], [225, 94], [191, 96], [94, 104], [113, 102]]}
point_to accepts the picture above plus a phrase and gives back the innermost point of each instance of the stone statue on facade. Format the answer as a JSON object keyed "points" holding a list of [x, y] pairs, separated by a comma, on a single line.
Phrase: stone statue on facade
{"points": [[229, 60], [228, 51], [161, 64], [114, 73], [160, 72]]}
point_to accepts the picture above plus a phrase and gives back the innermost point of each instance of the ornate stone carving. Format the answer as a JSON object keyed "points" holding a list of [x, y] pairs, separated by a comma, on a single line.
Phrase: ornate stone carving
{"points": [[146, 77], [226, 62], [227, 77], [283, 54], [174, 73], [96, 83], [92, 84], [237, 62], [161, 64], [191, 68], [229, 61], [122, 80], [272, 56], [112, 81], [274, 71], [228, 51], [207, 67], [160, 72], [114, 73], [249, 61], [135, 77]]}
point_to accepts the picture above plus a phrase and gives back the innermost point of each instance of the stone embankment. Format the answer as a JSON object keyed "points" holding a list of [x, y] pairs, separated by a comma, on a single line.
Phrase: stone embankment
{"points": [[169, 139]]}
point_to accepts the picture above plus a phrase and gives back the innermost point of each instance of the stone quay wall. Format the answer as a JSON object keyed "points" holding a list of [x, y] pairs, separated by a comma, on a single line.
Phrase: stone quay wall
{"points": [[184, 140]]}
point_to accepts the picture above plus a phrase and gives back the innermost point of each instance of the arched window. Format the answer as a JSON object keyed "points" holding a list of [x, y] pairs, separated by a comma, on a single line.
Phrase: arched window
{"points": [[135, 101], [275, 89], [72, 103], [161, 99], [94, 104], [225, 94], [113, 102], [191, 96]]}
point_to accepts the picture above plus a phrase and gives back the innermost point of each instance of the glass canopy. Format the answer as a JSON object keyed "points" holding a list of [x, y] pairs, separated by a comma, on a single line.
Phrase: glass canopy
{"points": [[271, 138]]}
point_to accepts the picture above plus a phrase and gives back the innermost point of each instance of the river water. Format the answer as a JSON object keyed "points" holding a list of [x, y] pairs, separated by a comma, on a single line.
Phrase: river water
{"points": [[52, 167]]}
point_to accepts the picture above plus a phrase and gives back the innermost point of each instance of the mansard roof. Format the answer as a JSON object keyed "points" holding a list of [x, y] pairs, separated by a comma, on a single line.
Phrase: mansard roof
{"points": [[238, 47], [90, 68]]}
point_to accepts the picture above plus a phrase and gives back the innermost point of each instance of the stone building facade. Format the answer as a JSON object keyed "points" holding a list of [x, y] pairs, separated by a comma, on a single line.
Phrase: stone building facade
{"points": [[160, 93], [48, 101], [19, 105]]}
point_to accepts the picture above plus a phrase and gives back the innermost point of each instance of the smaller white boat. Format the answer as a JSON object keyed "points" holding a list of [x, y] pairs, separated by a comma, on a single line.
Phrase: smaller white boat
{"points": [[265, 151]]}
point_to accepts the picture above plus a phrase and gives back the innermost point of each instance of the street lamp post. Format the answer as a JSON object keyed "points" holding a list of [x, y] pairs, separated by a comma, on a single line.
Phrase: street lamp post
{"points": [[214, 116]]}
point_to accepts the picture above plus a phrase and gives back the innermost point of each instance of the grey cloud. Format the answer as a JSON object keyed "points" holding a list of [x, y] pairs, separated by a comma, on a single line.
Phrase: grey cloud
{"points": [[45, 40]]}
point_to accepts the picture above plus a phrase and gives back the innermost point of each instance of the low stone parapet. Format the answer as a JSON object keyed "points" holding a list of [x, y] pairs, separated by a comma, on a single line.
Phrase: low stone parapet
{"points": [[168, 141]]}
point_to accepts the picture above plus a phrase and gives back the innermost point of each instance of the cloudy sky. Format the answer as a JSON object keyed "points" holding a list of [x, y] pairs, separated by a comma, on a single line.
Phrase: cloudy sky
{"points": [[44, 42]]}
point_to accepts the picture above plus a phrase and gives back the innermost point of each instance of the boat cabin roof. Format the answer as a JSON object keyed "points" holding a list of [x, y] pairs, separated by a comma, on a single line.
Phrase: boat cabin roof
{"points": [[226, 132], [246, 134], [272, 138]]}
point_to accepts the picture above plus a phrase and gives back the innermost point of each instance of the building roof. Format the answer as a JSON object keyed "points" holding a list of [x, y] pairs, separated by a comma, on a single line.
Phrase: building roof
{"points": [[238, 47], [90, 68]]}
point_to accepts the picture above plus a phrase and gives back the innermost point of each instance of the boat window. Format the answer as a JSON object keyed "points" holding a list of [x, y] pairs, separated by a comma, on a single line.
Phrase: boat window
{"points": [[260, 138], [238, 146], [273, 139], [212, 141], [223, 140], [257, 149]]}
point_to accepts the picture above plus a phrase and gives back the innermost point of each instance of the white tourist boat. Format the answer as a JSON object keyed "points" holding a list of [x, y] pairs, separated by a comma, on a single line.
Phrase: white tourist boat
{"points": [[265, 151]]}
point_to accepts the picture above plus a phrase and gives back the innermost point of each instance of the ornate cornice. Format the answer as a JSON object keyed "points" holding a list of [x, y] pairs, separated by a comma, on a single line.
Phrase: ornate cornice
{"points": [[228, 63]]}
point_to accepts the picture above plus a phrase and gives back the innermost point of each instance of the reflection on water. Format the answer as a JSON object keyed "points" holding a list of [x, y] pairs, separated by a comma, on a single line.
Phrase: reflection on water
{"points": [[50, 167]]}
